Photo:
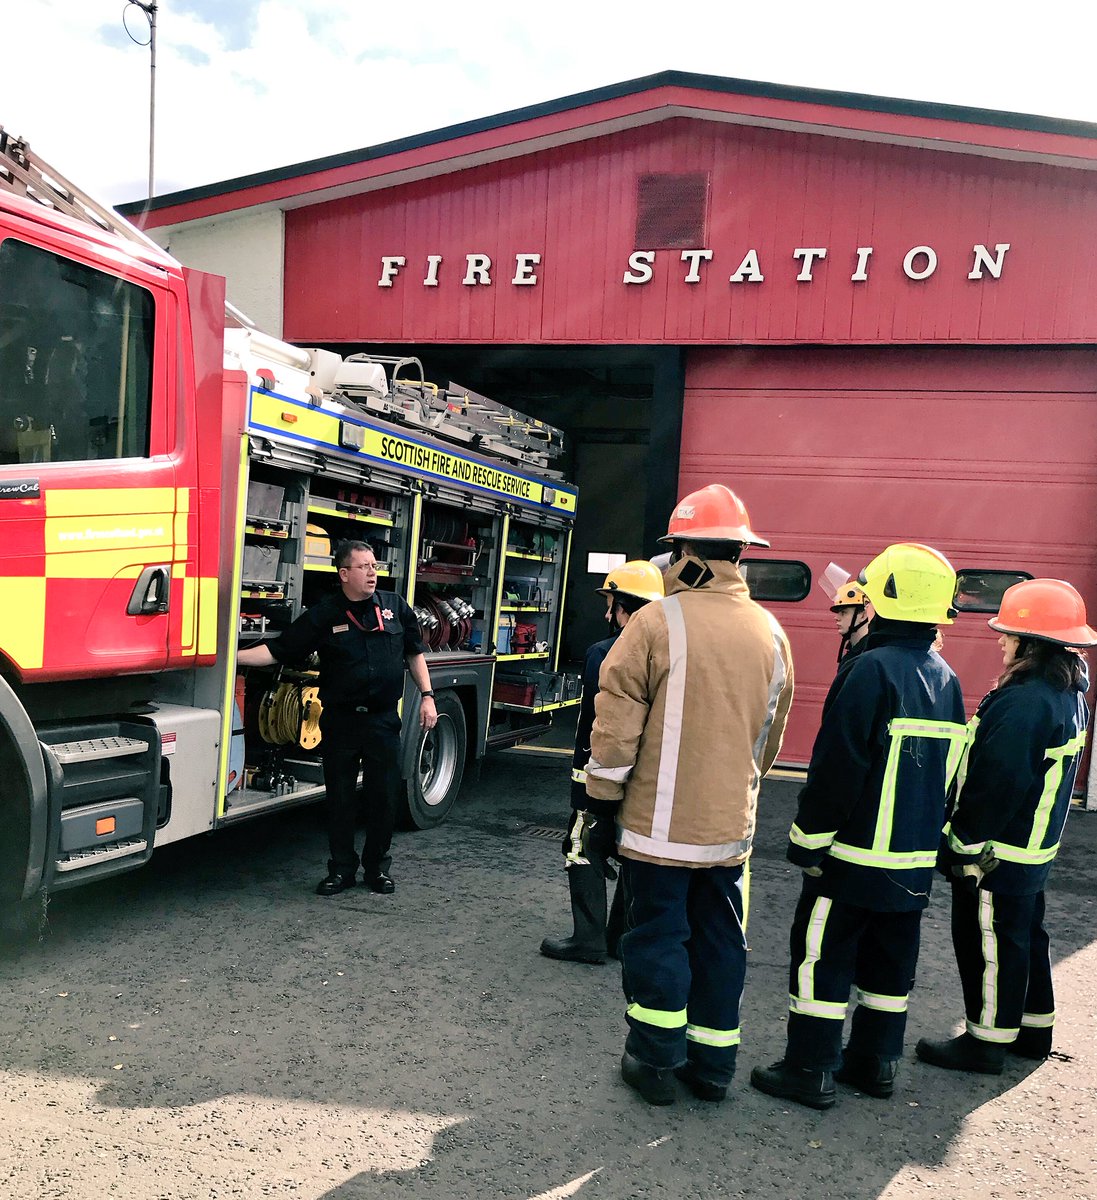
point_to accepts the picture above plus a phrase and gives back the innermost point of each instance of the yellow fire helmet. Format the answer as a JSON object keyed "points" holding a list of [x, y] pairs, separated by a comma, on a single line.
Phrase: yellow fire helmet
{"points": [[911, 582], [849, 595], [638, 578]]}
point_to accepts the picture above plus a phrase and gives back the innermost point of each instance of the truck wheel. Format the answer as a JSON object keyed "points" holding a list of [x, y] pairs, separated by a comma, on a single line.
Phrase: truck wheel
{"points": [[438, 766]]}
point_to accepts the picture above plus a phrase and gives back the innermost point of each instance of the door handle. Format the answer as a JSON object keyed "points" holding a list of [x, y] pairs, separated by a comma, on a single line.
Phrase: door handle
{"points": [[151, 592]]}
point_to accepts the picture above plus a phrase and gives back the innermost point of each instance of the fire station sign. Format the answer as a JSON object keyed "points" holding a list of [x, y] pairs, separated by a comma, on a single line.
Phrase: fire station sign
{"points": [[919, 262]]}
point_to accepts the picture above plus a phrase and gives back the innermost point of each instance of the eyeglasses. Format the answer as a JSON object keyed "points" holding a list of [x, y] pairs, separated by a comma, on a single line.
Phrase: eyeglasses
{"points": [[360, 567]]}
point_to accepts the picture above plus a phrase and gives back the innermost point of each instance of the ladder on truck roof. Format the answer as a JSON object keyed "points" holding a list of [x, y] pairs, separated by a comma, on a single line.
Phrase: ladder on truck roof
{"points": [[24, 173], [452, 412]]}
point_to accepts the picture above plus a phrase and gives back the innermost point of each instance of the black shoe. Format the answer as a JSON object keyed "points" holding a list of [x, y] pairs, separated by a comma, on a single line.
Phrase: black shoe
{"points": [[963, 1053], [1031, 1043], [334, 884], [703, 1089], [569, 950], [813, 1087], [656, 1087], [382, 884], [868, 1073]]}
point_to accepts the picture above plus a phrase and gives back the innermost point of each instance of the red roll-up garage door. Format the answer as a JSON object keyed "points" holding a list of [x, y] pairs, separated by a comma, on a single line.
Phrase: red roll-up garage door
{"points": [[990, 455]]}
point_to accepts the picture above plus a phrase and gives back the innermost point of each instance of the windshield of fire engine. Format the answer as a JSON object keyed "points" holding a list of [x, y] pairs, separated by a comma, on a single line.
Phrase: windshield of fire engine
{"points": [[75, 360]]}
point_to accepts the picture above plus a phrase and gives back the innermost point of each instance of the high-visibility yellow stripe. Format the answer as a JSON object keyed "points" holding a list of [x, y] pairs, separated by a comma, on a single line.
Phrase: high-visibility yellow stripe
{"points": [[881, 1003], [713, 1037], [99, 564], [146, 536], [828, 1010], [187, 617], [1038, 1020], [989, 984], [182, 544], [207, 615], [809, 841], [659, 1017], [182, 500], [898, 860], [989, 1033], [121, 501], [813, 946], [24, 638]]}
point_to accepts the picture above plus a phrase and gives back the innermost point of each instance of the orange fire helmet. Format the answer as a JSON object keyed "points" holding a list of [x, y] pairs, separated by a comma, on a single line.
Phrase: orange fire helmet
{"points": [[849, 595], [712, 514], [1047, 609]]}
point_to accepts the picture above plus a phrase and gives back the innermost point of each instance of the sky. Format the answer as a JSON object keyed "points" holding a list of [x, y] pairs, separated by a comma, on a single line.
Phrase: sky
{"points": [[251, 85]]}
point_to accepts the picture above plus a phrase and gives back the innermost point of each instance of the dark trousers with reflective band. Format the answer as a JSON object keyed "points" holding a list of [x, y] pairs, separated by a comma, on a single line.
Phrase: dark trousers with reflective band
{"points": [[1004, 956], [683, 958], [370, 743], [834, 947]]}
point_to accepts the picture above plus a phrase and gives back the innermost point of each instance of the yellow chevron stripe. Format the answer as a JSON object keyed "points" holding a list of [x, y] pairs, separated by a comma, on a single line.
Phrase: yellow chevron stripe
{"points": [[24, 639]]}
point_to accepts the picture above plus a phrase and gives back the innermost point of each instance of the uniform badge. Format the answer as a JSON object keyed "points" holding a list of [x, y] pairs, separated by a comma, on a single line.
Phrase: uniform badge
{"points": [[340, 628], [387, 613]]}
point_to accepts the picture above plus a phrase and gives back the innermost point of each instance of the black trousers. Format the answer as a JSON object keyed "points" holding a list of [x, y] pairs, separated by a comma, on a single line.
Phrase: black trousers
{"points": [[683, 958], [369, 742], [1003, 953], [833, 947]]}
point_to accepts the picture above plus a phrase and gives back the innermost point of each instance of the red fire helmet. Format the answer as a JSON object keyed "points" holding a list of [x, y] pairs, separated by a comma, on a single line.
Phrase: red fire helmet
{"points": [[712, 514]]}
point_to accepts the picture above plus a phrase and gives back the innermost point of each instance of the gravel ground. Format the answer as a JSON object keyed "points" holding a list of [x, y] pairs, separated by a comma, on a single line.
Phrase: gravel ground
{"points": [[208, 1028]]}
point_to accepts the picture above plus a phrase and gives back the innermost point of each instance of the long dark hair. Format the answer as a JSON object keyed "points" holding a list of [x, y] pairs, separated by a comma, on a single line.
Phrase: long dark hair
{"points": [[1061, 666]]}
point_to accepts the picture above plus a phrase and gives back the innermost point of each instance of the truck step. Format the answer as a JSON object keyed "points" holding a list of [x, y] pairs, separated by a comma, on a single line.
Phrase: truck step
{"points": [[97, 748], [100, 854]]}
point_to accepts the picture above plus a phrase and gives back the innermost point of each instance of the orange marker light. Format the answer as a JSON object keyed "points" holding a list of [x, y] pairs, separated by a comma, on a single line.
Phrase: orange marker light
{"points": [[289, 418], [104, 826]]}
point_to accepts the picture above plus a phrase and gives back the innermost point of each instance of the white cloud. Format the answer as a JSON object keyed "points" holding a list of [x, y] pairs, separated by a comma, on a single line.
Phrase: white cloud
{"points": [[265, 84]]}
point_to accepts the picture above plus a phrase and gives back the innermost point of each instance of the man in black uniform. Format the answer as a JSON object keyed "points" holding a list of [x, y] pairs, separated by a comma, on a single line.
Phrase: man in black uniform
{"points": [[627, 588], [364, 638]]}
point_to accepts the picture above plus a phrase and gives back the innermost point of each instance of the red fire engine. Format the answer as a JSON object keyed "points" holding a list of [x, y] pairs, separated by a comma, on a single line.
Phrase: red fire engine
{"points": [[172, 483]]}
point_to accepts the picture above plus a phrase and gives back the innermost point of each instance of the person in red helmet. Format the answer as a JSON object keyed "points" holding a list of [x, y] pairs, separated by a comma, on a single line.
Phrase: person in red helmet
{"points": [[1007, 823], [689, 717]]}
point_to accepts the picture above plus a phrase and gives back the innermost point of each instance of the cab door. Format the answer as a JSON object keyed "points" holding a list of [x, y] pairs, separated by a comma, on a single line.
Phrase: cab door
{"points": [[88, 489]]}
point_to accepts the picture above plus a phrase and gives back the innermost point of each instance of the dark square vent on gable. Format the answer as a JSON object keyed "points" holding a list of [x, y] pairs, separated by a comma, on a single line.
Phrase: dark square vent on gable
{"points": [[670, 211]]}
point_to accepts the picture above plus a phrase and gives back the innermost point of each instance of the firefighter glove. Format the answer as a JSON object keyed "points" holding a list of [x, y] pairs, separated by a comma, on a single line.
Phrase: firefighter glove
{"points": [[593, 837]]}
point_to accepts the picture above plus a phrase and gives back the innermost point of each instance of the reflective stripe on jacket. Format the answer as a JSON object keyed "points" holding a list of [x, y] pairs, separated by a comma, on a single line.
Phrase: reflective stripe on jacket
{"points": [[1016, 783], [691, 711], [891, 740]]}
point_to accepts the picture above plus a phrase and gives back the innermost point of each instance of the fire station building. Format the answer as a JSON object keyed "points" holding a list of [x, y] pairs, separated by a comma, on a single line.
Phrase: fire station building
{"points": [[875, 319]]}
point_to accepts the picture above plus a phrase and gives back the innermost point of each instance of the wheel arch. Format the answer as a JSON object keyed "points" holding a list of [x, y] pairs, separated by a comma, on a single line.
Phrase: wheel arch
{"points": [[24, 801]]}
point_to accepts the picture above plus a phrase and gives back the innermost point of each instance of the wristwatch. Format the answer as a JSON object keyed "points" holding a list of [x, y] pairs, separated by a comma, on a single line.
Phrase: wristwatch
{"points": [[426, 695]]}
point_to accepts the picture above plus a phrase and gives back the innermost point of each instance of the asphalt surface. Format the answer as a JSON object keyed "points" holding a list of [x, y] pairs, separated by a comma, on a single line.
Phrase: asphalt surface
{"points": [[207, 1027]]}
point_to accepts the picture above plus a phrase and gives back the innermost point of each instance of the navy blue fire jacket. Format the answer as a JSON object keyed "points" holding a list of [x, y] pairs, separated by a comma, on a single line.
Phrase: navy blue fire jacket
{"points": [[592, 666], [1016, 783], [891, 738]]}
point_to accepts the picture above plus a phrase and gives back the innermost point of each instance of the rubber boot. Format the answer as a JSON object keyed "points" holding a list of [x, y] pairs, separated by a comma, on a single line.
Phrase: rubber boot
{"points": [[615, 925], [588, 910], [963, 1053], [868, 1073], [1031, 1043]]}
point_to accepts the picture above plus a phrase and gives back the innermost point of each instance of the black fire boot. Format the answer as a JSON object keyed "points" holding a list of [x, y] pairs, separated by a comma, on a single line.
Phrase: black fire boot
{"points": [[867, 1073], [587, 944], [656, 1087], [963, 1053], [1031, 1043], [811, 1086]]}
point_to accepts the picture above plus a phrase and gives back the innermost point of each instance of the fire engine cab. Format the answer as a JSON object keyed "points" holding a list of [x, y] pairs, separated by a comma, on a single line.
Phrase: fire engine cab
{"points": [[173, 483]]}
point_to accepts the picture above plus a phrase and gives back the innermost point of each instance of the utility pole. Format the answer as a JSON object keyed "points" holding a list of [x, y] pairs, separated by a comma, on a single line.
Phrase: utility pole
{"points": [[149, 9]]}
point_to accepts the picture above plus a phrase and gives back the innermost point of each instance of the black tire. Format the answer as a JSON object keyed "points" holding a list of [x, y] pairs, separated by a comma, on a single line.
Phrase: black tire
{"points": [[438, 766]]}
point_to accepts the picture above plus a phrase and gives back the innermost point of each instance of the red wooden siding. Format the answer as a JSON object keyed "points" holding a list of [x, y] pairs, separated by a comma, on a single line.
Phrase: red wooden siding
{"points": [[989, 455], [770, 190]]}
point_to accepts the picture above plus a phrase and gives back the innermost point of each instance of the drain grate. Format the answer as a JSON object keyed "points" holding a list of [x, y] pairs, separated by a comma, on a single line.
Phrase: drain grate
{"points": [[542, 831]]}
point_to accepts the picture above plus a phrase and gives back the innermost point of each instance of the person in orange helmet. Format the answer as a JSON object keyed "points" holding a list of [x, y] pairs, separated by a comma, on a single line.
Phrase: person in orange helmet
{"points": [[1006, 826], [690, 713]]}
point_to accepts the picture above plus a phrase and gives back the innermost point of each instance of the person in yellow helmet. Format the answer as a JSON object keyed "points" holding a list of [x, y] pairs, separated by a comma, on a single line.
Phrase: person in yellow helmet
{"points": [[866, 834], [627, 589]]}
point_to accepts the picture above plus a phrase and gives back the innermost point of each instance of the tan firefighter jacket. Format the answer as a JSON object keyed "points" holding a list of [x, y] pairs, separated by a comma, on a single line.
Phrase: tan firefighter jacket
{"points": [[690, 714]]}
